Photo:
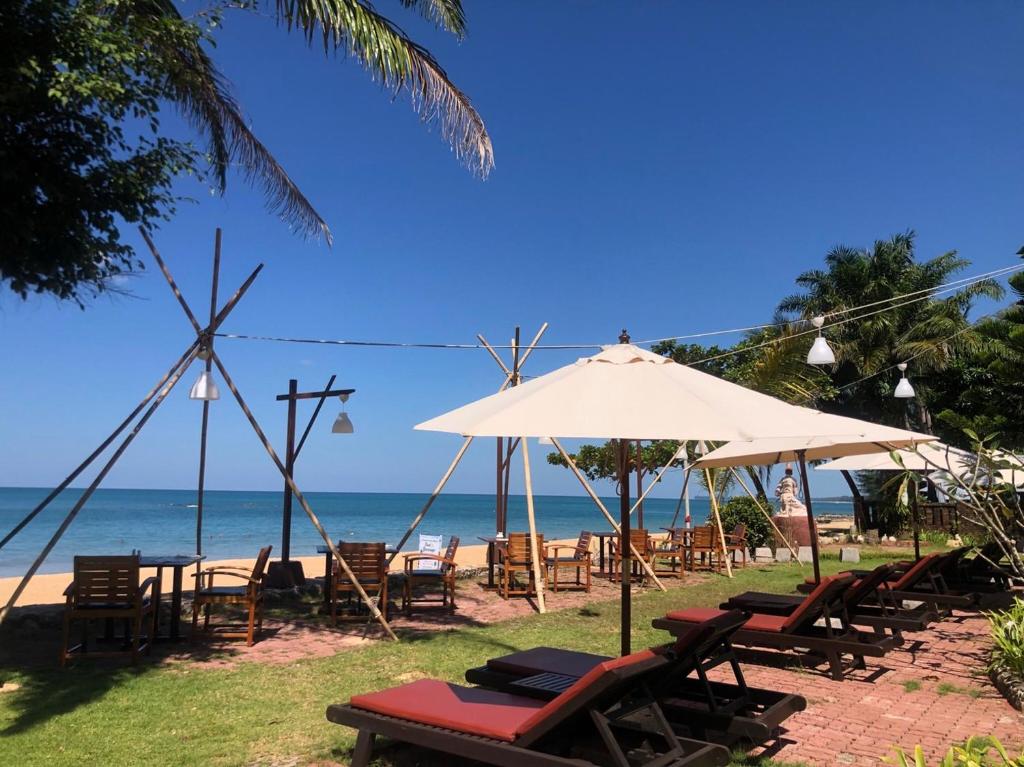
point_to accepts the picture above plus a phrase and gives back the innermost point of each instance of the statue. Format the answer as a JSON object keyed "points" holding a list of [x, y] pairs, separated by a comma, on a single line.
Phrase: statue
{"points": [[786, 491]]}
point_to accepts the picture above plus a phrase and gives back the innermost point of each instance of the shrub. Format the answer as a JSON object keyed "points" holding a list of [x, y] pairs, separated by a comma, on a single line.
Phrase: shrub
{"points": [[1008, 636], [974, 752], [744, 510]]}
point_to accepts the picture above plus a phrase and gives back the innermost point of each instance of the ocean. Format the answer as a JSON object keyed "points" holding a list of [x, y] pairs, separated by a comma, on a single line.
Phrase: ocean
{"points": [[237, 523]]}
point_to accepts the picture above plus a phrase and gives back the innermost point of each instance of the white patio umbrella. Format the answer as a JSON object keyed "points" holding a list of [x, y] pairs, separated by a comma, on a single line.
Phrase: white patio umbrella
{"points": [[836, 436], [627, 393]]}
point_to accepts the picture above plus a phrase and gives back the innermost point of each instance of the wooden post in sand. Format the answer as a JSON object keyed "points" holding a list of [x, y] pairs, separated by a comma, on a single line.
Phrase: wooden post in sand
{"points": [[535, 552]]}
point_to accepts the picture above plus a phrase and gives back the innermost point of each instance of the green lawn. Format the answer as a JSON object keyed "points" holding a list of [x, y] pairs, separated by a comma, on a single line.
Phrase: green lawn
{"points": [[251, 713]]}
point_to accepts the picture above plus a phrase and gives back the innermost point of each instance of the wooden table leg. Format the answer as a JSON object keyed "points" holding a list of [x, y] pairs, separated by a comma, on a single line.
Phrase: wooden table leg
{"points": [[490, 565], [157, 593], [327, 578], [176, 604]]}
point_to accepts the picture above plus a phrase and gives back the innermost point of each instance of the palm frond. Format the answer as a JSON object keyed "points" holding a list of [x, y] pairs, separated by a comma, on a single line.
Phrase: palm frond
{"points": [[399, 64], [447, 14]]}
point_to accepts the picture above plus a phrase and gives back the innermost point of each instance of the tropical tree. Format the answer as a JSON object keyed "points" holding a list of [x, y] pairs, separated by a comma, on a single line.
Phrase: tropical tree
{"points": [[923, 328], [82, 150]]}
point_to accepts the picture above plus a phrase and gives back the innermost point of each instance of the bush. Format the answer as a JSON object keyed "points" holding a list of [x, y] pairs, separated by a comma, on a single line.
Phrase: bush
{"points": [[974, 752], [1007, 628], [744, 510]]}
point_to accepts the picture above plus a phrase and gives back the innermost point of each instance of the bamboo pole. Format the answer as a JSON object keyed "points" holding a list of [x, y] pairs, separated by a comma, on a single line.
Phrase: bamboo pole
{"points": [[370, 604], [87, 494], [767, 515], [682, 494], [657, 479], [607, 515], [538, 575], [433, 496], [170, 281], [208, 366], [718, 521], [95, 453]]}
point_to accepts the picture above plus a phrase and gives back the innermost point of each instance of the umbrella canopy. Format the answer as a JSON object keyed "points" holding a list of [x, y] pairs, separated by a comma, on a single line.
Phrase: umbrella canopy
{"points": [[629, 393], [836, 436], [937, 458]]}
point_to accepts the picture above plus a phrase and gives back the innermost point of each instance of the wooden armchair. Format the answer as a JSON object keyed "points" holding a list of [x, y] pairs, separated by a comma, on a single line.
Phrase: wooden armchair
{"points": [[249, 595], [704, 542], [669, 557], [369, 564], [444, 576], [641, 543], [577, 560], [514, 558], [108, 588], [737, 541]]}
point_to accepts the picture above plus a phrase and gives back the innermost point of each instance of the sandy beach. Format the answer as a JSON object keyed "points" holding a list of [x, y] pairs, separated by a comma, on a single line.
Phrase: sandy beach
{"points": [[49, 588]]}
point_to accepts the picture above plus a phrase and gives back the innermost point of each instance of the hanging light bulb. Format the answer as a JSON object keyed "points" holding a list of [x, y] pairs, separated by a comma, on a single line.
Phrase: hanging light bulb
{"points": [[821, 353], [205, 388], [903, 389], [342, 424], [544, 441]]}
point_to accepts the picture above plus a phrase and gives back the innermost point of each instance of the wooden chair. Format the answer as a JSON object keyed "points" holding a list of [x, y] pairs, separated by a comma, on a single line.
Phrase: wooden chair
{"points": [[516, 557], [579, 560], [248, 595], [108, 588], [444, 576], [737, 541], [704, 542], [641, 542], [368, 563], [670, 553]]}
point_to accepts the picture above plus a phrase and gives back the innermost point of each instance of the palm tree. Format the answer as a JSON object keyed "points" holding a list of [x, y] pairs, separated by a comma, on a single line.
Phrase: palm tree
{"points": [[924, 328], [400, 65]]}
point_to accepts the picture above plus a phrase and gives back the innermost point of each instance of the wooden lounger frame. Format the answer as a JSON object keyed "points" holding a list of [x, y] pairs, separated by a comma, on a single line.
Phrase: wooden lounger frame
{"points": [[615, 721]]}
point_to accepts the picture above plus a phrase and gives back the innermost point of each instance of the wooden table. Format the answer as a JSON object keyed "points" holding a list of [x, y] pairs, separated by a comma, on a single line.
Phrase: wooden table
{"points": [[177, 563], [329, 567], [601, 537], [493, 544]]}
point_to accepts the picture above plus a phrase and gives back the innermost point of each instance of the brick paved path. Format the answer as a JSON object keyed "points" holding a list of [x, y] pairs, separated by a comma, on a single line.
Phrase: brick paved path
{"points": [[859, 720]]}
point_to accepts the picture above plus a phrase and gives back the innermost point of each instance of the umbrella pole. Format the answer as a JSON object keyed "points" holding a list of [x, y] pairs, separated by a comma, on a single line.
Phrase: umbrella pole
{"points": [[538, 574], [916, 521], [682, 494], [812, 528], [718, 521], [767, 516], [625, 546]]}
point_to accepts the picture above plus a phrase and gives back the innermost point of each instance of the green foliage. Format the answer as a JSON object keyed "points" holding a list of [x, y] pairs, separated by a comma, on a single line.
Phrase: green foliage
{"points": [[974, 752], [744, 510], [1007, 628], [601, 461]]}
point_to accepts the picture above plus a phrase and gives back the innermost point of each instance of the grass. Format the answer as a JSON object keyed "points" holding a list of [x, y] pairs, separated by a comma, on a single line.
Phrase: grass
{"points": [[911, 685], [948, 688], [262, 714]]}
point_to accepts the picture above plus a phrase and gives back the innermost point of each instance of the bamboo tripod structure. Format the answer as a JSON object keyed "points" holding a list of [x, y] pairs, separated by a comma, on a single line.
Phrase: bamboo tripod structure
{"points": [[200, 348]]}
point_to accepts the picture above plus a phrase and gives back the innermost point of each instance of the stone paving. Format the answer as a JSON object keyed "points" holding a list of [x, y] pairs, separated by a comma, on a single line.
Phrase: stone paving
{"points": [[932, 691]]}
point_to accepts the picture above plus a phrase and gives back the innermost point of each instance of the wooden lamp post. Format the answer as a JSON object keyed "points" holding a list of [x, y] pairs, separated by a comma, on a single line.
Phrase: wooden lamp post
{"points": [[287, 572]]}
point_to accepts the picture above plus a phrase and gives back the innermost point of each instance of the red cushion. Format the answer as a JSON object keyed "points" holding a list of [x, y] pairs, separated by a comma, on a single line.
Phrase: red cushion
{"points": [[695, 614], [465, 709], [581, 685], [761, 622], [912, 576]]}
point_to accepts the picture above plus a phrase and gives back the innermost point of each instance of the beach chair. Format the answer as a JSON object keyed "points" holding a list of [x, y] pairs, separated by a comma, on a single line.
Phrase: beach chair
{"points": [[641, 543], [606, 717], [736, 542], [443, 576], [867, 602], [515, 558], [669, 557], [799, 630], [704, 542], [576, 559], [249, 595], [108, 588], [724, 712], [368, 563]]}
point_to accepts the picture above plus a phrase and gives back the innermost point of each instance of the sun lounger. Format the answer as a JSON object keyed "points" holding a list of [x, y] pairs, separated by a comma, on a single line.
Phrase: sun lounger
{"points": [[867, 602], [719, 711], [922, 581], [607, 717], [799, 630]]}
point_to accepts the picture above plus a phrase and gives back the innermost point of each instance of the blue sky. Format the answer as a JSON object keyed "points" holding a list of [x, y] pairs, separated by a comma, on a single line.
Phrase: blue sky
{"points": [[665, 167]]}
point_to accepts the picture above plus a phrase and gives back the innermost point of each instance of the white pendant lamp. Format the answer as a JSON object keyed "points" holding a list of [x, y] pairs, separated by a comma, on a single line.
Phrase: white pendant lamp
{"points": [[205, 388], [342, 424], [903, 389], [820, 353]]}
